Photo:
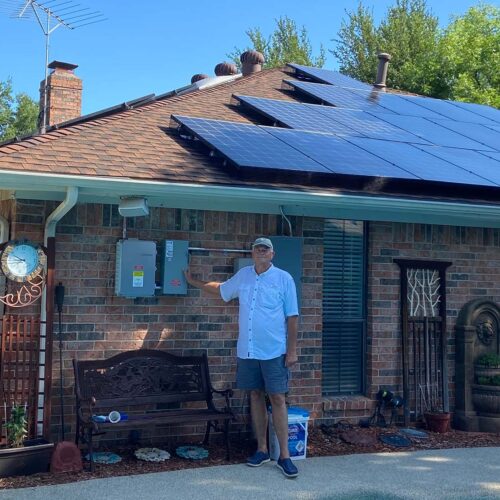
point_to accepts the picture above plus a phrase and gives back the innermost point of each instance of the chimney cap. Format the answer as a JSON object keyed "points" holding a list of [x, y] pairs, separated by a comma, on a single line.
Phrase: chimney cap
{"points": [[252, 57], [198, 77], [62, 65], [225, 68]]}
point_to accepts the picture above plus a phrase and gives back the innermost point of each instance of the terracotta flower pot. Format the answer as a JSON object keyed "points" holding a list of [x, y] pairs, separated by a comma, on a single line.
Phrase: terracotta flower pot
{"points": [[438, 422]]}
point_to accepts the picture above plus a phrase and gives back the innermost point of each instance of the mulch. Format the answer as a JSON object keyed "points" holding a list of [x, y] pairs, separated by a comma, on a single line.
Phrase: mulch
{"points": [[322, 441]]}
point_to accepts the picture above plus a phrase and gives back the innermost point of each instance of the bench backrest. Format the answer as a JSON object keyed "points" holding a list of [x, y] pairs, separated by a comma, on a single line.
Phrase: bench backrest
{"points": [[143, 376]]}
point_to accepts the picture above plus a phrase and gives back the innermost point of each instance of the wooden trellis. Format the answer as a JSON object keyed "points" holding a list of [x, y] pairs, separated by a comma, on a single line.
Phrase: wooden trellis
{"points": [[19, 362]]}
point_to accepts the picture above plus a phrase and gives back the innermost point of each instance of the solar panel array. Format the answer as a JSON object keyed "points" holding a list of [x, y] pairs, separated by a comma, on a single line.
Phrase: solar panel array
{"points": [[360, 132], [332, 77]]}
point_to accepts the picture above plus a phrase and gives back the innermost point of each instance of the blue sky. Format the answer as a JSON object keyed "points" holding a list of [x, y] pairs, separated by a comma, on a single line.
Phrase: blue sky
{"points": [[152, 46]]}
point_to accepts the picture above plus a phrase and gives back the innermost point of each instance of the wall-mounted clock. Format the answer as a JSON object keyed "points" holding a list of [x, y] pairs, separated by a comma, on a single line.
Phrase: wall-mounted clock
{"points": [[22, 260]]}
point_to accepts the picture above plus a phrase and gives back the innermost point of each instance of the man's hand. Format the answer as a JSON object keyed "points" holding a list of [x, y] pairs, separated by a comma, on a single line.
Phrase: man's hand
{"points": [[211, 287], [291, 359]]}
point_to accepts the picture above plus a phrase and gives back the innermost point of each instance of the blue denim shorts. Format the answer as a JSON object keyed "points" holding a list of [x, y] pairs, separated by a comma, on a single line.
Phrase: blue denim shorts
{"points": [[270, 375]]}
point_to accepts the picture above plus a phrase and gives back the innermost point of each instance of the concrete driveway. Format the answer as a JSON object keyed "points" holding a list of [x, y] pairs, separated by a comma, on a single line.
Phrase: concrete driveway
{"points": [[456, 474]]}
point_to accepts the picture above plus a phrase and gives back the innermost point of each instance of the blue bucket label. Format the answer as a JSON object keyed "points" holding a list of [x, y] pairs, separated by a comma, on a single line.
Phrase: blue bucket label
{"points": [[296, 439]]}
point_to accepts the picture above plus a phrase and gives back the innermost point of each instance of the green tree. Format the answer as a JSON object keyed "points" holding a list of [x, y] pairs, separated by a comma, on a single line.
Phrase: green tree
{"points": [[286, 44], [18, 115], [470, 55], [409, 32], [357, 44]]}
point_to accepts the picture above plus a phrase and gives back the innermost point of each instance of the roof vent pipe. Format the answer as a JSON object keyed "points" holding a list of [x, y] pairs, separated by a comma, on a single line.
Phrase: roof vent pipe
{"points": [[225, 69], [251, 62], [383, 64]]}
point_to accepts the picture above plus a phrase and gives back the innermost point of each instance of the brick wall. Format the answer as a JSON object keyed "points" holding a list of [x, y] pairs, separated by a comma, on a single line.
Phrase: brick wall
{"points": [[97, 324], [474, 273]]}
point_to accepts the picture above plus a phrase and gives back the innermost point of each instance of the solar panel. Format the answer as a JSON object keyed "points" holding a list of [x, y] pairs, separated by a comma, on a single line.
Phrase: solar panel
{"points": [[249, 145], [485, 135], [336, 96], [332, 77], [304, 151], [490, 154], [397, 104], [432, 132], [369, 125], [295, 115], [480, 109], [328, 119], [418, 162], [447, 109], [472, 161], [339, 155]]}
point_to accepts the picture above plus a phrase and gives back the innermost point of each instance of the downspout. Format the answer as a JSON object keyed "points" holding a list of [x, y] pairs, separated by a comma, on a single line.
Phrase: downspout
{"points": [[4, 234], [45, 359], [4, 229]]}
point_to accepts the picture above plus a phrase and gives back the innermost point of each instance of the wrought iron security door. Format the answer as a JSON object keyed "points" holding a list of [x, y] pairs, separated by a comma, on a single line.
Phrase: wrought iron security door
{"points": [[423, 322]]}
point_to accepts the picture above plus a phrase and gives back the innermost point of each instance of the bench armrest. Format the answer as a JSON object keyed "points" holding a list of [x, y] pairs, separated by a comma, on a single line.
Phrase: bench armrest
{"points": [[227, 393], [85, 410]]}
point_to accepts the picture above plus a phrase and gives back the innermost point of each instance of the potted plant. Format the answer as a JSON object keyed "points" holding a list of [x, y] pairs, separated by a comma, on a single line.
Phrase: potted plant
{"points": [[436, 419], [21, 456], [487, 365], [486, 390]]}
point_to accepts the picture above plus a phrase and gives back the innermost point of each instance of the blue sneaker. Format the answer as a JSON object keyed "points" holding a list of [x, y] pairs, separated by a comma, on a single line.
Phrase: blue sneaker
{"points": [[258, 458], [287, 467]]}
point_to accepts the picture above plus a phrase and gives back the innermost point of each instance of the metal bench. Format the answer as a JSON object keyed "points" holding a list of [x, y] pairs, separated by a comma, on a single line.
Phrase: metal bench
{"points": [[151, 386]]}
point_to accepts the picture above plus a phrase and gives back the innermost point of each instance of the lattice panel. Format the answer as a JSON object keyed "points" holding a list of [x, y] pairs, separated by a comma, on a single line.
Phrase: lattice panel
{"points": [[19, 361]]}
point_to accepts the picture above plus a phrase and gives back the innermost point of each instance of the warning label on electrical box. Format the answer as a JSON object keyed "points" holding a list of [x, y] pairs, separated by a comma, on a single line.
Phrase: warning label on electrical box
{"points": [[138, 276]]}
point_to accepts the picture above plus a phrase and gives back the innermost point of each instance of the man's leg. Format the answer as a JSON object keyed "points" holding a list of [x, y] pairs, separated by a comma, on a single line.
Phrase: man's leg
{"points": [[259, 418], [280, 422]]}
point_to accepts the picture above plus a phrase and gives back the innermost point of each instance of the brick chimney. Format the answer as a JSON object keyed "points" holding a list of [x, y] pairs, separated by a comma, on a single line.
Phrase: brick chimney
{"points": [[64, 94]]}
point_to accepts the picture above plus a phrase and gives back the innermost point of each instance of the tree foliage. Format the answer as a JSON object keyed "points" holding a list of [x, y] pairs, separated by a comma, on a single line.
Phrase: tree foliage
{"points": [[286, 44], [470, 48], [409, 32], [460, 62], [18, 115]]}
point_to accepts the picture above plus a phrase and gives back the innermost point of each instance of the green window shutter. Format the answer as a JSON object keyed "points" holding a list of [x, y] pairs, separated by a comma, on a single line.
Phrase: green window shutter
{"points": [[344, 316]]}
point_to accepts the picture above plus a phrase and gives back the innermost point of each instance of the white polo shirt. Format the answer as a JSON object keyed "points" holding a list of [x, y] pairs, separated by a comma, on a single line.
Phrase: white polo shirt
{"points": [[266, 301]]}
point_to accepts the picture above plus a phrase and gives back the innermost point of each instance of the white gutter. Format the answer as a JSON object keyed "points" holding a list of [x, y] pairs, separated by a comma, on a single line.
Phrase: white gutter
{"points": [[50, 231], [315, 203]]}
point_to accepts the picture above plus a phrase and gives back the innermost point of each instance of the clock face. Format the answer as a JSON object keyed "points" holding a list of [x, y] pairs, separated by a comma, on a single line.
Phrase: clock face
{"points": [[22, 260]]}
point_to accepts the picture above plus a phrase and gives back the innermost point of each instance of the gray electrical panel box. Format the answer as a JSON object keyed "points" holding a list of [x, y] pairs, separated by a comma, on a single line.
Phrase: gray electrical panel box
{"points": [[174, 261], [135, 268], [288, 256]]}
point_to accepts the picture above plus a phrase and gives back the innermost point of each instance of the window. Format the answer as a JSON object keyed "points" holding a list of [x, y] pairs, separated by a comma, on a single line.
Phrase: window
{"points": [[344, 309]]}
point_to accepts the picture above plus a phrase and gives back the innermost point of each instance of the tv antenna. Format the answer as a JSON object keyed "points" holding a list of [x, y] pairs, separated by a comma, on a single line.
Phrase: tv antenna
{"points": [[51, 15]]}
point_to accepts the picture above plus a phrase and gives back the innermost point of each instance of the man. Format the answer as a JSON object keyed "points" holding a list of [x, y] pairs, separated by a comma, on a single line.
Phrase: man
{"points": [[267, 343]]}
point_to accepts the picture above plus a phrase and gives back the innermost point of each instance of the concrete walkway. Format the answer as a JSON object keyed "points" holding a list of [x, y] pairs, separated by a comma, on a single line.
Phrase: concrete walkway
{"points": [[456, 474]]}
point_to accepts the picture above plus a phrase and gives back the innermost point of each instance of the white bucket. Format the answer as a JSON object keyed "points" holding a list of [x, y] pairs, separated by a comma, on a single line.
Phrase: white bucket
{"points": [[297, 434]]}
